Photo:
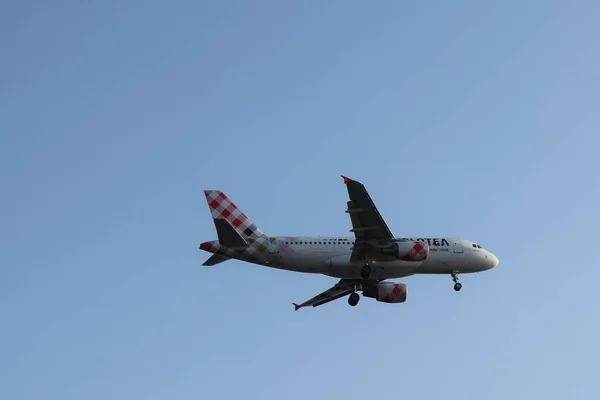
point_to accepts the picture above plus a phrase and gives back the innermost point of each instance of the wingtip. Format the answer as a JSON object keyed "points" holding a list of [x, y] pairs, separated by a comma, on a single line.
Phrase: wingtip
{"points": [[346, 179], [296, 306]]}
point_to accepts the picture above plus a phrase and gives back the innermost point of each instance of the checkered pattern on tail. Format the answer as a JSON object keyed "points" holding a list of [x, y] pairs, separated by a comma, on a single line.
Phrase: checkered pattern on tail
{"points": [[221, 207]]}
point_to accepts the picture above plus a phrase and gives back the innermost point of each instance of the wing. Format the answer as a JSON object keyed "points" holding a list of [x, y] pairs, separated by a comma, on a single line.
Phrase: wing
{"points": [[368, 226], [341, 289]]}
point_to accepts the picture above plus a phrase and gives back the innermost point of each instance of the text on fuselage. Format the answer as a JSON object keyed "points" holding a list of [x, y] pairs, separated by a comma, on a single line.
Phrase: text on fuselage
{"points": [[430, 241]]}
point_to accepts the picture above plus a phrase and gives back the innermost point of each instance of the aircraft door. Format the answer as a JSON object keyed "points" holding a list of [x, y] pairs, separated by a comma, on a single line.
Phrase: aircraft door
{"points": [[457, 246]]}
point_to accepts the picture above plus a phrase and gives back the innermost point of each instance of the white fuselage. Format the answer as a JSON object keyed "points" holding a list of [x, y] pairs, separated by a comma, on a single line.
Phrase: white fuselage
{"points": [[331, 256]]}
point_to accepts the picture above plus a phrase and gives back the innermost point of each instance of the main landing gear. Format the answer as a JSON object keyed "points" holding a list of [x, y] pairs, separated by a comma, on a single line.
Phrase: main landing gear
{"points": [[457, 284], [353, 299], [365, 272]]}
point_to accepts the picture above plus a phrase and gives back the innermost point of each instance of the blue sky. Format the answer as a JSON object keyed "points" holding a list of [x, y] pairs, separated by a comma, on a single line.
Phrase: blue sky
{"points": [[471, 119]]}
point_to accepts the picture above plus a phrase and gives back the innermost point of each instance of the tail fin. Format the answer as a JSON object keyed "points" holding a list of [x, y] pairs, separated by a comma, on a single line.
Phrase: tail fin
{"points": [[223, 209], [228, 236]]}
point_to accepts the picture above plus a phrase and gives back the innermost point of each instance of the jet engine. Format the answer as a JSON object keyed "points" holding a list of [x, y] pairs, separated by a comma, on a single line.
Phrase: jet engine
{"points": [[408, 250], [387, 292]]}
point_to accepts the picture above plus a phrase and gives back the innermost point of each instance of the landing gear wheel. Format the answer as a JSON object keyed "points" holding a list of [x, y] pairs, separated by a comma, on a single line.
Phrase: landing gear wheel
{"points": [[365, 271], [353, 299], [457, 284]]}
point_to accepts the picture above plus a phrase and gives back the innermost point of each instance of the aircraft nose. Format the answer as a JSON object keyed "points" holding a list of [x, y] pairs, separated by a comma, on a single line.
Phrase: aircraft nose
{"points": [[494, 260]]}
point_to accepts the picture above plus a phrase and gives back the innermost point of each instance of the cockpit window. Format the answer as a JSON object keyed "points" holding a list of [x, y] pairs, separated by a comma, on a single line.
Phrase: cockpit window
{"points": [[477, 246]]}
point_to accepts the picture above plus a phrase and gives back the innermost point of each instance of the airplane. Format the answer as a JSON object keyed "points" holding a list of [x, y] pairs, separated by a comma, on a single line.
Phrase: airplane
{"points": [[363, 263]]}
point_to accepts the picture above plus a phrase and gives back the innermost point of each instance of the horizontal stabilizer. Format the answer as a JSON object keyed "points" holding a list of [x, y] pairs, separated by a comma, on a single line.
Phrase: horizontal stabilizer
{"points": [[227, 235], [215, 259]]}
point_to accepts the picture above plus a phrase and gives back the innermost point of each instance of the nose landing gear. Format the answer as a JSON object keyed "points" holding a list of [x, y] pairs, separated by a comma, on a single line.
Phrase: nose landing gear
{"points": [[457, 284]]}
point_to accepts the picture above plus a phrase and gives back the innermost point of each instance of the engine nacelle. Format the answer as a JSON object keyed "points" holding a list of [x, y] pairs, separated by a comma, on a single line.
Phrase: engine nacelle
{"points": [[387, 292], [408, 250]]}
